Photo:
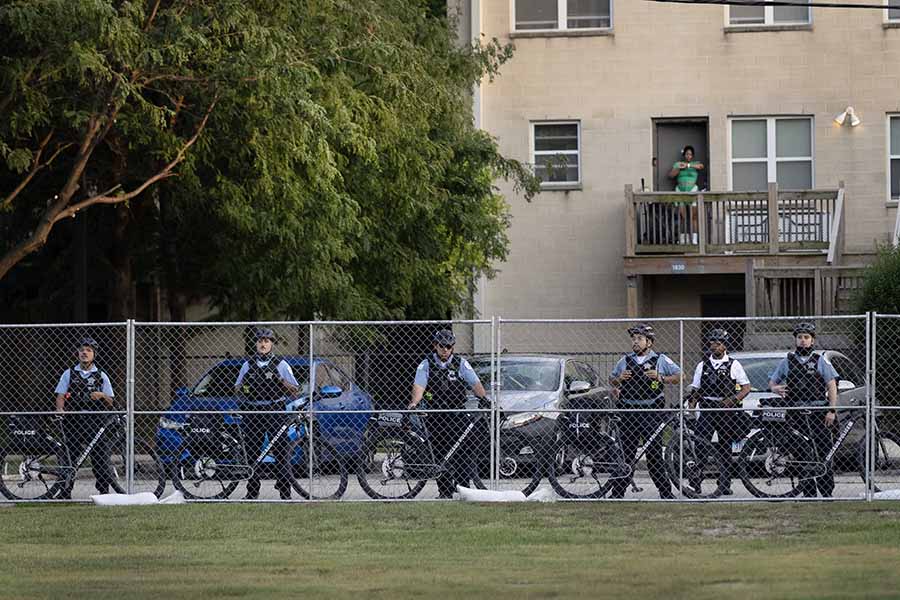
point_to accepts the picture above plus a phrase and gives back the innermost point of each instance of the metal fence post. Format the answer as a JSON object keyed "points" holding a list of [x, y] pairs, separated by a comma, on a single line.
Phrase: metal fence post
{"points": [[312, 390], [495, 405], [684, 369], [871, 374], [129, 406]]}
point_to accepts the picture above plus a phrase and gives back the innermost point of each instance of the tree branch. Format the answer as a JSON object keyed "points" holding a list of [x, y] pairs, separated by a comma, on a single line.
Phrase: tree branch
{"points": [[35, 167], [152, 16]]}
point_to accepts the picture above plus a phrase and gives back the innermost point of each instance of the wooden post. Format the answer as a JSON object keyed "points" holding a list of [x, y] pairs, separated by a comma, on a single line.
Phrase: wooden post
{"points": [[701, 223], [630, 222], [774, 222], [631, 290], [817, 291], [749, 290]]}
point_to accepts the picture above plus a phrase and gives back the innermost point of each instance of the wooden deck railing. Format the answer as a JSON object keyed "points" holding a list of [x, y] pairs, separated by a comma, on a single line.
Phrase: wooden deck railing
{"points": [[729, 222], [787, 291]]}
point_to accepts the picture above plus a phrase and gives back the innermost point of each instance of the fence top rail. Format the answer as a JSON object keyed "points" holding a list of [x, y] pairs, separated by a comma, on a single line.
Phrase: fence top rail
{"points": [[888, 316], [306, 323], [678, 319], [44, 325]]}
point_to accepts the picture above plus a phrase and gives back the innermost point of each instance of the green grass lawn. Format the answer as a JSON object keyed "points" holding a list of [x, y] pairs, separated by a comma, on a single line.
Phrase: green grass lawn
{"points": [[833, 550]]}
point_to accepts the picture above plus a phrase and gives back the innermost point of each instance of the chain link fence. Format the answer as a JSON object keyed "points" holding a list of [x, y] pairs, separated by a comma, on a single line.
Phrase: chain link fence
{"points": [[373, 410]]}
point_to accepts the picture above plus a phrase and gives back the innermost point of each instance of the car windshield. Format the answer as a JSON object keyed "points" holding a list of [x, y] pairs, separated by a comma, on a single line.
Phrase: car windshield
{"points": [[219, 381], [522, 375], [758, 370]]}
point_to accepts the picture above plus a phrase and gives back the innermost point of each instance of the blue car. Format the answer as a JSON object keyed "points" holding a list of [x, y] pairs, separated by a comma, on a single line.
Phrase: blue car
{"points": [[336, 393]]}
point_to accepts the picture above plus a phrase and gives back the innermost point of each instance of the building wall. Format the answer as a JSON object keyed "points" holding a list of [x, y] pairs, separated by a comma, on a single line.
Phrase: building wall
{"points": [[674, 61]]}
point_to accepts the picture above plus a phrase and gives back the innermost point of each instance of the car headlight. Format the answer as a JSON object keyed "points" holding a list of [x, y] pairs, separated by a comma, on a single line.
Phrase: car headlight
{"points": [[521, 419], [167, 423]]}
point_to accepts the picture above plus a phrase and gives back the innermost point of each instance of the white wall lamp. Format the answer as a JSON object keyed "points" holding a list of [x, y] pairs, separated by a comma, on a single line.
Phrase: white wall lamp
{"points": [[848, 112]]}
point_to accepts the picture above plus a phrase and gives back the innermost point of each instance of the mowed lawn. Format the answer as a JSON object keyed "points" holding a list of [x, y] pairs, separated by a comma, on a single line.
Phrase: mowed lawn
{"points": [[818, 550]]}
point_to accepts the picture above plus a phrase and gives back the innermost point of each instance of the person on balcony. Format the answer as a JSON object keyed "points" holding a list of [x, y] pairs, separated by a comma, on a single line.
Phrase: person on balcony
{"points": [[686, 173]]}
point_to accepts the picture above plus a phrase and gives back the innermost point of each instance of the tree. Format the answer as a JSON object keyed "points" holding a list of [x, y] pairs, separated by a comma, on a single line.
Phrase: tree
{"points": [[327, 144]]}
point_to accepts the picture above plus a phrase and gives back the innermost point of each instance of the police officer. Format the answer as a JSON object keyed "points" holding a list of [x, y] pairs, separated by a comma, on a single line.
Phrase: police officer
{"points": [[720, 382], [444, 378], [85, 387], [805, 378], [640, 376], [262, 383]]}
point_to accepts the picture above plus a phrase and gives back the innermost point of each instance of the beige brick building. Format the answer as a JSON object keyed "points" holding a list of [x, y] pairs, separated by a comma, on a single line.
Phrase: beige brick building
{"points": [[607, 91]]}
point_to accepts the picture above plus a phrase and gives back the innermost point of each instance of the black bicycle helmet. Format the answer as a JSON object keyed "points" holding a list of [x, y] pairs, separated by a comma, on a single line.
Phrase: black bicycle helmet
{"points": [[265, 334], [805, 327], [91, 343], [444, 337], [643, 329], [716, 335]]}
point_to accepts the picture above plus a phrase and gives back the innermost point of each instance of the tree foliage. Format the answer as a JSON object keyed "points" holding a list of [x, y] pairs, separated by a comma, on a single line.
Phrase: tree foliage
{"points": [[312, 158]]}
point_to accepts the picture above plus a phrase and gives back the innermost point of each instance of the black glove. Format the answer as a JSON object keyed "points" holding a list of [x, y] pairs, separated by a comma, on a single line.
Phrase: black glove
{"points": [[484, 403]]}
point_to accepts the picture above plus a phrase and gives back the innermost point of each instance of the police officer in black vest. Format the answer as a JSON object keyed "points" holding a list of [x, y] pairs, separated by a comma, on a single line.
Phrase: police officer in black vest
{"points": [[805, 378], [444, 379], [263, 383], [85, 387], [720, 382], [640, 377]]}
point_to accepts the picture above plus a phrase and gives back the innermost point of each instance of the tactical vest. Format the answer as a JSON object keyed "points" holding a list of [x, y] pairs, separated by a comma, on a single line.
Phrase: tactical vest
{"points": [[81, 388], [717, 382], [446, 387], [640, 390], [805, 385], [263, 384]]}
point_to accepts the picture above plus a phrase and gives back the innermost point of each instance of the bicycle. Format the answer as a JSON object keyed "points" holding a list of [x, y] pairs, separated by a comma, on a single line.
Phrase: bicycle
{"points": [[398, 457], [771, 461], [588, 456], [218, 459], [38, 464]]}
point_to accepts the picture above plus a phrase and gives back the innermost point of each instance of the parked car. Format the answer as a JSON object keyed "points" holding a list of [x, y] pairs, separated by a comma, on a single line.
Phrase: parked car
{"points": [[851, 389], [214, 391], [533, 388]]}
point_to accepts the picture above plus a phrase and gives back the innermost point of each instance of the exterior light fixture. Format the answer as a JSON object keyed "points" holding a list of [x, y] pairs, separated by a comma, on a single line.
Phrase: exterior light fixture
{"points": [[848, 112]]}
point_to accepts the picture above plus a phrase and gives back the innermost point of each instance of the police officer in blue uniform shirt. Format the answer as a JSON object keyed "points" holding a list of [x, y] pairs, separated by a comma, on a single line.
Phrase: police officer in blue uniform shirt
{"points": [[720, 382], [640, 377], [805, 378], [263, 384], [85, 387], [444, 379]]}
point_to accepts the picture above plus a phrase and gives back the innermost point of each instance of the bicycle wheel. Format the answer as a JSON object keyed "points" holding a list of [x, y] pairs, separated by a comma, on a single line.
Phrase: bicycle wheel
{"points": [[885, 460], [329, 471], [32, 476], [382, 471], [767, 466], [207, 478], [585, 473], [149, 472], [695, 464], [511, 476]]}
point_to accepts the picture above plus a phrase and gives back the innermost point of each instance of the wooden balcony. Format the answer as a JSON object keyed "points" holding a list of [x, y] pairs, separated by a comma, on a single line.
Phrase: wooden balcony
{"points": [[732, 224]]}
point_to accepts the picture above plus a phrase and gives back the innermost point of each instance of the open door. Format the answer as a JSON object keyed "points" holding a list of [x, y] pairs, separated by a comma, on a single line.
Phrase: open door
{"points": [[670, 136]]}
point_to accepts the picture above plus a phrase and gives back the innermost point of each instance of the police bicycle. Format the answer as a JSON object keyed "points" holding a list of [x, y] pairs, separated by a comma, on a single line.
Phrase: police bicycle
{"points": [[38, 463], [588, 455], [218, 458], [398, 457], [777, 457]]}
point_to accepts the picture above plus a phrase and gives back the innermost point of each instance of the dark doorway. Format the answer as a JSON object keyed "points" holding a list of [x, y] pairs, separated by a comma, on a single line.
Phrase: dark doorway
{"points": [[670, 136], [720, 306]]}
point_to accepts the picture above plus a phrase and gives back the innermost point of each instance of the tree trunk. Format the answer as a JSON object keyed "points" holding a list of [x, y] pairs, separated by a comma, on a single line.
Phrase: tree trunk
{"points": [[121, 306]]}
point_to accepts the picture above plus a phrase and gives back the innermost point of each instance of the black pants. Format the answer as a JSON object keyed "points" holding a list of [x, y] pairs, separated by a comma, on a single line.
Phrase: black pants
{"points": [[634, 428], [444, 430], [822, 439], [80, 429], [255, 427], [730, 427]]}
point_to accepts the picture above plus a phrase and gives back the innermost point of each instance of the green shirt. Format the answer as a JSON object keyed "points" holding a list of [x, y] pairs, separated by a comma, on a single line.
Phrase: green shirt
{"points": [[687, 178]]}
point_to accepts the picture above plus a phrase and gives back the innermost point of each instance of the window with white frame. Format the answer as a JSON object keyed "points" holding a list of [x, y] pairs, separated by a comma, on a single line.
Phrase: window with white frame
{"points": [[556, 151], [555, 15], [894, 155], [768, 15], [893, 10], [778, 149]]}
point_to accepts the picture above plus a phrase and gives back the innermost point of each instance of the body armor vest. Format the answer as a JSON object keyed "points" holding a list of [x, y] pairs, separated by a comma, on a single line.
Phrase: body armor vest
{"points": [[805, 385], [446, 387], [263, 383], [640, 390], [716, 382]]}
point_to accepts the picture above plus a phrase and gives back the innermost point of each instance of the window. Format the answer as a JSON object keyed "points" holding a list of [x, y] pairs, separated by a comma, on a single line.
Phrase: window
{"points": [[893, 11], [768, 149], [557, 160], [553, 15], [768, 15], [218, 383], [894, 157]]}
